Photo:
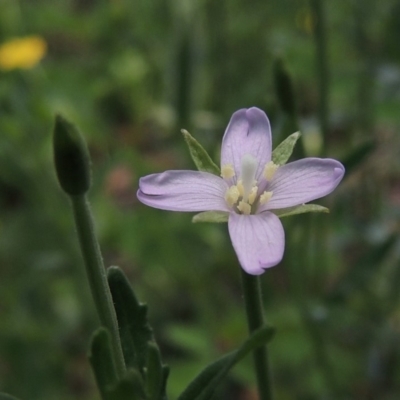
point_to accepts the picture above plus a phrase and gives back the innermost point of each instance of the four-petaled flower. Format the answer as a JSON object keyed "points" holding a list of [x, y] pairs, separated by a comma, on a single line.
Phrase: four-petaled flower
{"points": [[250, 187]]}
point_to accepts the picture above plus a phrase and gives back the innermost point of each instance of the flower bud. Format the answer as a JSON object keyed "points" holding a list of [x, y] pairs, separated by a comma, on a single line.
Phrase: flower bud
{"points": [[71, 158]]}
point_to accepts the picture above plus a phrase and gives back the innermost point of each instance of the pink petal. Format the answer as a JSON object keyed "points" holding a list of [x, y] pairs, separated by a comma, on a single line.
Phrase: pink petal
{"points": [[183, 191], [259, 240], [302, 181], [248, 132]]}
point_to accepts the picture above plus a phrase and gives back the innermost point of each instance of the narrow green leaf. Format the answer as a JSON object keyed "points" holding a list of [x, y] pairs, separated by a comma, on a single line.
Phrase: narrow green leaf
{"points": [[5, 396], [199, 155], [303, 208], [154, 373], [284, 150], [165, 371], [204, 385], [102, 361], [135, 331], [211, 216]]}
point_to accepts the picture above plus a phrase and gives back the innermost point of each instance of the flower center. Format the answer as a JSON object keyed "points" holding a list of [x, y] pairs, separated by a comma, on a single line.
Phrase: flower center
{"points": [[244, 197]]}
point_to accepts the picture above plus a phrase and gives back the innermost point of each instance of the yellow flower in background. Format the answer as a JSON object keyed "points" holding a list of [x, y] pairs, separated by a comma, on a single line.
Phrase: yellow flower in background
{"points": [[23, 52]]}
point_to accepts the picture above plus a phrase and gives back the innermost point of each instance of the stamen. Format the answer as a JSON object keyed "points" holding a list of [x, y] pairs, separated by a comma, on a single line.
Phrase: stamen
{"points": [[266, 197], [232, 195], [244, 208], [227, 171], [269, 170], [249, 168], [240, 187], [252, 195]]}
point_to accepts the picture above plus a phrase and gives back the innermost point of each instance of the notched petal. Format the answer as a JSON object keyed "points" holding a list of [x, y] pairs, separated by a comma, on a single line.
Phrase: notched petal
{"points": [[183, 191], [258, 240], [303, 181]]}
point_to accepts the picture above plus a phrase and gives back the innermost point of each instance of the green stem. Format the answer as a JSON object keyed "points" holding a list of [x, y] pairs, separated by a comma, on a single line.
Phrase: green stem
{"points": [[255, 319], [97, 275], [322, 67]]}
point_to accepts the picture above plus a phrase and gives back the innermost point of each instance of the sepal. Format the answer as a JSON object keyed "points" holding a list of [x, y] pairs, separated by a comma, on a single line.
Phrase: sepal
{"points": [[211, 216], [284, 150], [301, 209], [199, 155]]}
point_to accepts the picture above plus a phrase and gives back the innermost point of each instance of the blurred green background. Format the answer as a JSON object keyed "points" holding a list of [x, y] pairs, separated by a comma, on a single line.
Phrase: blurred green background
{"points": [[131, 74]]}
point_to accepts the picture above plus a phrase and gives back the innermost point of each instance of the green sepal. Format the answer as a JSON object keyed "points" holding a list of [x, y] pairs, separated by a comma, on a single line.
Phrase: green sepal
{"points": [[284, 88], [199, 155], [155, 382], [102, 360], [5, 396], [211, 216], [135, 331], [284, 150], [71, 158], [204, 385], [301, 209]]}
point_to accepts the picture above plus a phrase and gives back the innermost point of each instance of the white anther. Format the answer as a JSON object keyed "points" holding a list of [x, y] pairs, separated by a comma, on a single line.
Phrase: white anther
{"points": [[266, 197], [252, 195], [269, 170], [244, 207], [232, 195], [227, 171]]}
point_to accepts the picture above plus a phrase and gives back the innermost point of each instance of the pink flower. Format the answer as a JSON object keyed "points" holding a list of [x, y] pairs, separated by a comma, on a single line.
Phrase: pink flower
{"points": [[249, 188]]}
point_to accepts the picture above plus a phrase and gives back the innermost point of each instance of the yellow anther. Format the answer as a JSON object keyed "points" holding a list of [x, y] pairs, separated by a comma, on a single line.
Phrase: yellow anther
{"points": [[240, 187], [269, 170], [252, 195], [227, 171], [244, 208], [232, 195], [265, 197]]}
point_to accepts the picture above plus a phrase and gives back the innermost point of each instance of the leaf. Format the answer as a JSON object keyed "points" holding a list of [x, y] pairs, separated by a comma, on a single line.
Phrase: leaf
{"points": [[140, 349], [5, 396], [284, 150], [203, 386], [211, 216], [303, 208], [135, 331], [199, 155], [102, 361], [130, 387], [154, 374]]}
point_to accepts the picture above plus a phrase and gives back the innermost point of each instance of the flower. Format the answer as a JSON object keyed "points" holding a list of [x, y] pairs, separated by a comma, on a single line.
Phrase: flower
{"points": [[250, 187], [23, 52]]}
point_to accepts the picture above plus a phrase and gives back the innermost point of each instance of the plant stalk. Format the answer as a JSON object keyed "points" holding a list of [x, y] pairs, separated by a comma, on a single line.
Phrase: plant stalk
{"points": [[255, 319], [96, 274]]}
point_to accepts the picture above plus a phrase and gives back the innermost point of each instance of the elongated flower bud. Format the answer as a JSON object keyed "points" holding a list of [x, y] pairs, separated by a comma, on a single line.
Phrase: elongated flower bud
{"points": [[284, 88], [71, 158]]}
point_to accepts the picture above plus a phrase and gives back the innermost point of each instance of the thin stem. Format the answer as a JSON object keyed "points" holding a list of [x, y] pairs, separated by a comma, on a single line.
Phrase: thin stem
{"points": [[255, 319], [97, 275], [320, 36]]}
